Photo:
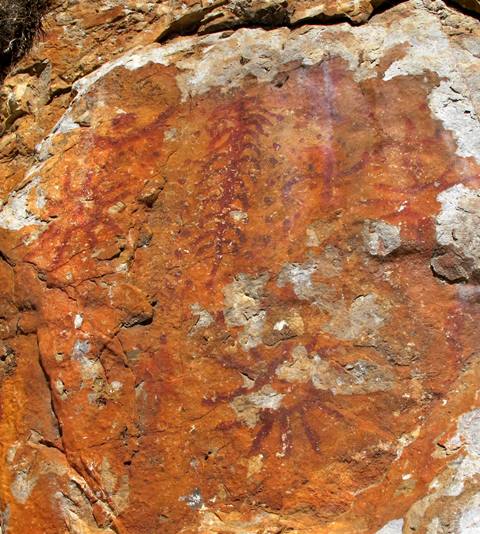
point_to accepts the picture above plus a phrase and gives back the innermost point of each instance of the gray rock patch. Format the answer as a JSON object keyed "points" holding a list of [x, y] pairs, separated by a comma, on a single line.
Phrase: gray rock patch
{"points": [[381, 238], [458, 234], [242, 301]]}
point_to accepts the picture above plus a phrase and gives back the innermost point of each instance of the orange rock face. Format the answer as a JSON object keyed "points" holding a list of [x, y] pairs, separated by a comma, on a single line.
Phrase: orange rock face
{"points": [[241, 289]]}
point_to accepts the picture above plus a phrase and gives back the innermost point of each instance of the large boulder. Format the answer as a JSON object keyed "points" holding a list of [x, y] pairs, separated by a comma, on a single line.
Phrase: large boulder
{"points": [[240, 281]]}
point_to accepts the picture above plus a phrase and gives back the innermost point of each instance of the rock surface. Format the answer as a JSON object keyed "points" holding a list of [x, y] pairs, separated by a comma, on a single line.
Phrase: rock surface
{"points": [[240, 271]]}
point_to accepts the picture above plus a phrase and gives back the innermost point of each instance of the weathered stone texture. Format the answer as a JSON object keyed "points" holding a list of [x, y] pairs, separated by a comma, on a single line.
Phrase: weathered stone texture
{"points": [[240, 273]]}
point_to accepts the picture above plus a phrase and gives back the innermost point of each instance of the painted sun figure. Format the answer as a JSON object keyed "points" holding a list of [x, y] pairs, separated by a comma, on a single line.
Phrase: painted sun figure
{"points": [[295, 398]]}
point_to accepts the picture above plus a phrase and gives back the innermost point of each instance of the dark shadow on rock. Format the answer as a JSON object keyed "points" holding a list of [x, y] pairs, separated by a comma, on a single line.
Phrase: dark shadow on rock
{"points": [[20, 23]]}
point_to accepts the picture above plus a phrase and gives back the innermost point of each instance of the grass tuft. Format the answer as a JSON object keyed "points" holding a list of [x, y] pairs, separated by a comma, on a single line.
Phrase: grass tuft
{"points": [[20, 23]]}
